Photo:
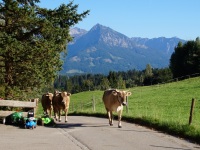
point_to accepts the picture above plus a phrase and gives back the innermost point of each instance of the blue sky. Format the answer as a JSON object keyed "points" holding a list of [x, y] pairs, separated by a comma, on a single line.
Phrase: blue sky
{"points": [[140, 18]]}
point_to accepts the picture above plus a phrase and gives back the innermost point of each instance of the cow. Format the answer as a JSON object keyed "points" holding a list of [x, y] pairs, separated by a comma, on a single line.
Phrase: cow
{"points": [[47, 103], [61, 101], [114, 100]]}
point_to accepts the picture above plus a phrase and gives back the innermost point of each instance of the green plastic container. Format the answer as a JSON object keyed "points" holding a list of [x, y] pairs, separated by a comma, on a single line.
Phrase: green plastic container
{"points": [[16, 117]]}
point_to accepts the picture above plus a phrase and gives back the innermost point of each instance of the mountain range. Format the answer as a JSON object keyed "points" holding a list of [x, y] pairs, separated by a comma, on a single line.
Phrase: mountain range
{"points": [[102, 49]]}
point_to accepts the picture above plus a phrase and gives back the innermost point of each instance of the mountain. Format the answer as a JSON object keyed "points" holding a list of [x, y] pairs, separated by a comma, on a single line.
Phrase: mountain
{"points": [[102, 49], [76, 33]]}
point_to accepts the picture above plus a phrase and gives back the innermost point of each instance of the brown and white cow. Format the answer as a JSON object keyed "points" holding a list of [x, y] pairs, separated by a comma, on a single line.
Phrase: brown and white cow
{"points": [[114, 100], [47, 103], [61, 101]]}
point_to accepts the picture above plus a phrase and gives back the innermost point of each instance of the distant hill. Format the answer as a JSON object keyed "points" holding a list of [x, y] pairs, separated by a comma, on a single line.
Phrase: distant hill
{"points": [[102, 49]]}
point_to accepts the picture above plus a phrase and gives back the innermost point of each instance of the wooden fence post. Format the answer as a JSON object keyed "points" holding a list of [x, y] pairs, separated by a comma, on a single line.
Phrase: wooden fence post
{"points": [[191, 111]]}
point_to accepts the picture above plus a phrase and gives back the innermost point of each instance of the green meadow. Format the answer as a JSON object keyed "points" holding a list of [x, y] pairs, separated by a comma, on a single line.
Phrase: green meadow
{"points": [[164, 107]]}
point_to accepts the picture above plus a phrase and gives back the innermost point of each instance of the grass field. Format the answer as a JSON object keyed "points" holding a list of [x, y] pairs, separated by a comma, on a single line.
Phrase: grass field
{"points": [[165, 107]]}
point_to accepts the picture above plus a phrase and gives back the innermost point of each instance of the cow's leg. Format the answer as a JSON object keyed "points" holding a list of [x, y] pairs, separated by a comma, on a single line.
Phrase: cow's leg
{"points": [[55, 114], [110, 117], [66, 112], [59, 116], [50, 112], [119, 118], [45, 111]]}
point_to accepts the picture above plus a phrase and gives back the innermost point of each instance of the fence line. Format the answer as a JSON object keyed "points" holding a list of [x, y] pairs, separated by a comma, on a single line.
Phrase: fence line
{"points": [[178, 79], [92, 104], [179, 112]]}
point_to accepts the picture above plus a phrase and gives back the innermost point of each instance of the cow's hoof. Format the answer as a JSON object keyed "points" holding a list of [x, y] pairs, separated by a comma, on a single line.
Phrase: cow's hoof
{"points": [[111, 124], [119, 126], [66, 121]]}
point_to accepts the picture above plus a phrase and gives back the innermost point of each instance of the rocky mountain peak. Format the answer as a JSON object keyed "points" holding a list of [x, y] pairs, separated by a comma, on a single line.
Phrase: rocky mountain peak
{"points": [[109, 36], [102, 49], [77, 31]]}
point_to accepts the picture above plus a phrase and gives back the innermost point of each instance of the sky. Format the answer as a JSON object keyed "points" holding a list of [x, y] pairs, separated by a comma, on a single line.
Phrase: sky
{"points": [[139, 18]]}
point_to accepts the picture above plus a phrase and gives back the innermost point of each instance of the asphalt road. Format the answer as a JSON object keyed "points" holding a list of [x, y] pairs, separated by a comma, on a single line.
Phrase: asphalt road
{"points": [[89, 133]]}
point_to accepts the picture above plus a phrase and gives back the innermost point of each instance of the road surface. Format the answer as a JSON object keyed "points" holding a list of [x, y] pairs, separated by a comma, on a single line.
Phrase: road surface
{"points": [[89, 133]]}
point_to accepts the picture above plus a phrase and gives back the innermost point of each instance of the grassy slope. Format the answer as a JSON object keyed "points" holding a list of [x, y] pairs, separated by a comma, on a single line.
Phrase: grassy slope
{"points": [[164, 107]]}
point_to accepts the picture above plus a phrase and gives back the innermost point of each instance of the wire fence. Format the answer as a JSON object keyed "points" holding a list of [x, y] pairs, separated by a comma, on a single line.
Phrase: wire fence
{"points": [[182, 114], [181, 78], [86, 104], [173, 107]]}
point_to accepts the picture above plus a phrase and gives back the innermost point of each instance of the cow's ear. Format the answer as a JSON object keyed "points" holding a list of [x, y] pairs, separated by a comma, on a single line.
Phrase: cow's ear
{"points": [[128, 93], [69, 94], [114, 93]]}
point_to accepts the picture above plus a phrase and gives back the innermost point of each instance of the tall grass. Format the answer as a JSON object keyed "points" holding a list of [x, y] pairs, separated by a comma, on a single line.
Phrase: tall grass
{"points": [[165, 107]]}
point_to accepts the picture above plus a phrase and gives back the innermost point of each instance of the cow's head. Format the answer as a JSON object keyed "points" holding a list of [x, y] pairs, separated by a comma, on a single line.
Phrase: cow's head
{"points": [[65, 97], [122, 96]]}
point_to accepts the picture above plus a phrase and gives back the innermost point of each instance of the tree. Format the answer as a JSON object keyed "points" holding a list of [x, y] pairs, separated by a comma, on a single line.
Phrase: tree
{"points": [[148, 75], [105, 84], [148, 71], [31, 41], [113, 80], [121, 83], [176, 64], [162, 75], [186, 59]]}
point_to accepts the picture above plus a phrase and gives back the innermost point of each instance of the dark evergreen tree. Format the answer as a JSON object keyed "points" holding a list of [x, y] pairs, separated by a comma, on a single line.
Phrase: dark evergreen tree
{"points": [[31, 41], [148, 78], [176, 64], [105, 84], [112, 78], [69, 85], [121, 83], [186, 59], [162, 75]]}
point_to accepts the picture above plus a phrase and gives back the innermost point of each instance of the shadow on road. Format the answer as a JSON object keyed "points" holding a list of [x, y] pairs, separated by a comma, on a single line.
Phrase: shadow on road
{"points": [[166, 147], [138, 130], [74, 125]]}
